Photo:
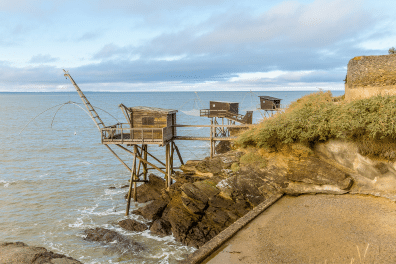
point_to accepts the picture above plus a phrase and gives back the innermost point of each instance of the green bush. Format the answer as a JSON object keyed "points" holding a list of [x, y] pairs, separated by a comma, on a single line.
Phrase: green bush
{"points": [[316, 118], [252, 158], [235, 167]]}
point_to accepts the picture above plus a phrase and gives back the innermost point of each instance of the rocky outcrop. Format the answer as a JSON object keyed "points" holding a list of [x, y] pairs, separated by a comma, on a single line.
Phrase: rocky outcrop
{"points": [[18, 252], [151, 190], [115, 241], [161, 228], [132, 225], [213, 193]]}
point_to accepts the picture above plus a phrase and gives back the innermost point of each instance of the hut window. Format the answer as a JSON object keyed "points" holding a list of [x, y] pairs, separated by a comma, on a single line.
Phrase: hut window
{"points": [[147, 121], [214, 105]]}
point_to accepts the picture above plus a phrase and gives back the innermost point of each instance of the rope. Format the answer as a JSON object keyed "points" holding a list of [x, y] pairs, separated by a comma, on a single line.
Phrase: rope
{"points": [[60, 106]]}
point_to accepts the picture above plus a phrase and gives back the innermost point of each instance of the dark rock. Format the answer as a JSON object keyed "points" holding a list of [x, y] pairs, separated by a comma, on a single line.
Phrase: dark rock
{"points": [[223, 147], [161, 227], [193, 206], [201, 190], [132, 225], [152, 211], [151, 190], [21, 253], [214, 165], [221, 202], [112, 187], [106, 236]]}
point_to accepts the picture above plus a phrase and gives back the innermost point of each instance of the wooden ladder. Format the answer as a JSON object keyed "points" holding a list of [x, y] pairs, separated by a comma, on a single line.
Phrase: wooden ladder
{"points": [[94, 115]]}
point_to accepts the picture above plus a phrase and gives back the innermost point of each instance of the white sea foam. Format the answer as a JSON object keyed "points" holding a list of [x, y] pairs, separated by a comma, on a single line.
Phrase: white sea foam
{"points": [[7, 184]]}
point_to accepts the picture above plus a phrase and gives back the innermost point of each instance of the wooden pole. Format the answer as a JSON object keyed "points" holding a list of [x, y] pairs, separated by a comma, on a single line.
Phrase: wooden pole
{"points": [[130, 186], [171, 162], [147, 153], [167, 165], [144, 161], [178, 154], [144, 164], [135, 175], [118, 158], [211, 139]]}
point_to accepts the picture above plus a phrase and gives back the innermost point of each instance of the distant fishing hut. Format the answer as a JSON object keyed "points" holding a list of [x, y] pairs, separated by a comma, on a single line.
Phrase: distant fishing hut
{"points": [[228, 113], [269, 105], [228, 110]]}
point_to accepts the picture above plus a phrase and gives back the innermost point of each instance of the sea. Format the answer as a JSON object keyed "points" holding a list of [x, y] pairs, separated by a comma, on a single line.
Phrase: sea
{"points": [[56, 176]]}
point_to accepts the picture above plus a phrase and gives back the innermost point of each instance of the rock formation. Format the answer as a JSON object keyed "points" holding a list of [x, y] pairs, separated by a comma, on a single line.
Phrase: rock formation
{"points": [[20, 253]]}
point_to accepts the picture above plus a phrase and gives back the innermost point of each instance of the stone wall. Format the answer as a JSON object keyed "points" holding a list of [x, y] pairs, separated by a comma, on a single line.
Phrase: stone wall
{"points": [[370, 75]]}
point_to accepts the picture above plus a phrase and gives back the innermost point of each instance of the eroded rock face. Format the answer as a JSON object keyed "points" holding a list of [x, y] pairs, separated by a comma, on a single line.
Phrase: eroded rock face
{"points": [[20, 253], [376, 177], [118, 242]]}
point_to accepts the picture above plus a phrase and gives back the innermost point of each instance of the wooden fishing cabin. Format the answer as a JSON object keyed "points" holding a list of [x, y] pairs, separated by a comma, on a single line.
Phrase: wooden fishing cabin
{"points": [[145, 125], [270, 103], [228, 110]]}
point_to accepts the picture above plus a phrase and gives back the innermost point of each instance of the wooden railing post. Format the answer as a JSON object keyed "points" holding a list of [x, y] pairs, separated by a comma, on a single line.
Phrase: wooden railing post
{"points": [[211, 138]]}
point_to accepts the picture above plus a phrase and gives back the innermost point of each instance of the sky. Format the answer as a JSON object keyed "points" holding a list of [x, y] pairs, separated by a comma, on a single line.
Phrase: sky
{"points": [[160, 45]]}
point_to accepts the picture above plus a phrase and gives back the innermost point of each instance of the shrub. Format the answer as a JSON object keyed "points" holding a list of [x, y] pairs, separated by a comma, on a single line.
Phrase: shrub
{"points": [[235, 167], [253, 158]]}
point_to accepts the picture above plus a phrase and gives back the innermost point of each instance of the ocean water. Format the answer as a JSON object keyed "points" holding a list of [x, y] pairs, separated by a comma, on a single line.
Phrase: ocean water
{"points": [[55, 174]]}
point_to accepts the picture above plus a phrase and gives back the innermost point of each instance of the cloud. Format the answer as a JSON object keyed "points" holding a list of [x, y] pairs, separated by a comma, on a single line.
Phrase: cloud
{"points": [[111, 50], [42, 59], [89, 36], [288, 25]]}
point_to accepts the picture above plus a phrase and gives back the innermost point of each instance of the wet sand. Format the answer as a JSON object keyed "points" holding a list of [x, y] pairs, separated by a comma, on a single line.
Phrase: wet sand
{"points": [[316, 229]]}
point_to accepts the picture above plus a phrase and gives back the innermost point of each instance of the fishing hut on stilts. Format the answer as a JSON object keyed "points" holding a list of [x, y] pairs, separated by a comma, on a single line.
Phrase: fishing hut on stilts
{"points": [[223, 117], [144, 126], [270, 105]]}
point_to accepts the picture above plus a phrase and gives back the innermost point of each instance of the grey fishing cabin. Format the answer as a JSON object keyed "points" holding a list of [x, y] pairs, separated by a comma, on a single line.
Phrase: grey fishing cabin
{"points": [[270, 103], [145, 125]]}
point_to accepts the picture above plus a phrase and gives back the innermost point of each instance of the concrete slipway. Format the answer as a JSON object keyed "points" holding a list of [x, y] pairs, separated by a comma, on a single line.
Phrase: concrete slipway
{"points": [[308, 229]]}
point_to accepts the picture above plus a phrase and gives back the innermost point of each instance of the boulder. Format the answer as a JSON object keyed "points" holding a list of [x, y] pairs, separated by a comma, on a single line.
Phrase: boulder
{"points": [[132, 225], [150, 190], [152, 211], [18, 252], [111, 238], [223, 147], [161, 228]]}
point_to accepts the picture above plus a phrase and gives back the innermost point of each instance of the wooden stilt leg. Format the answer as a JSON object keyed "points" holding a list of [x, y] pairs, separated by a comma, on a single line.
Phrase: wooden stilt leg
{"points": [[130, 186], [211, 138], [172, 149], [145, 164], [167, 175], [135, 176], [178, 154]]}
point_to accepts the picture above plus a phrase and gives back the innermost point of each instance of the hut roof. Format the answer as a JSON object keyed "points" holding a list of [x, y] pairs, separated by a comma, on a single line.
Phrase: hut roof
{"points": [[269, 98], [224, 102], [153, 109]]}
